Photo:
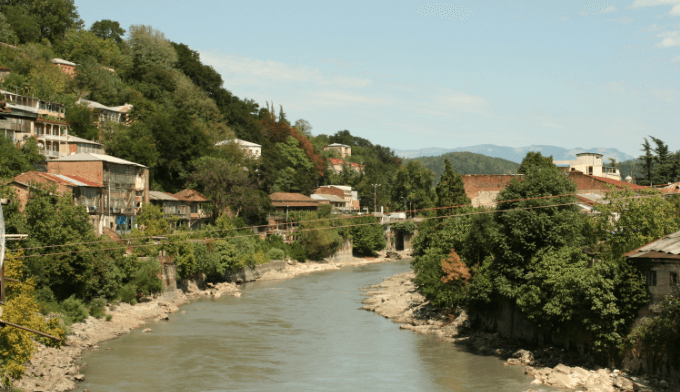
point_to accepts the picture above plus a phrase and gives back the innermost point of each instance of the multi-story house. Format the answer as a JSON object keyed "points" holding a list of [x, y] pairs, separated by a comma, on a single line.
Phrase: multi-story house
{"points": [[341, 149], [29, 117], [65, 66], [251, 149], [591, 164], [106, 114], [125, 185]]}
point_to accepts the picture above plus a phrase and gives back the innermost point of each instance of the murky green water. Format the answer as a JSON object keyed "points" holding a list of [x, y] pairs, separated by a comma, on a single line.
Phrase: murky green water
{"points": [[303, 334]]}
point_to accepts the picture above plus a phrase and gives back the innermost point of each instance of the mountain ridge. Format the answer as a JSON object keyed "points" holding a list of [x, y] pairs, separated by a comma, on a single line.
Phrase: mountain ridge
{"points": [[516, 154]]}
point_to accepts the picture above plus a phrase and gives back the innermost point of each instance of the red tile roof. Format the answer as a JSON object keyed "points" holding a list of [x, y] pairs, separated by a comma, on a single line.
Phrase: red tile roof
{"points": [[190, 195], [336, 161], [283, 199]]}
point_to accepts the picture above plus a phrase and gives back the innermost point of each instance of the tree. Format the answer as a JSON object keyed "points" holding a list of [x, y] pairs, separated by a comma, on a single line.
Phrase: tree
{"points": [[108, 29], [647, 162], [230, 185], [50, 19], [412, 184], [367, 238], [450, 190], [82, 122], [150, 48], [6, 33], [15, 161], [534, 159], [304, 127]]}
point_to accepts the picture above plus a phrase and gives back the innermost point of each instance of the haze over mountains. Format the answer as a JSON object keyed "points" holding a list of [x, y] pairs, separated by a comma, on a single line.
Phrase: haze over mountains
{"points": [[516, 154]]}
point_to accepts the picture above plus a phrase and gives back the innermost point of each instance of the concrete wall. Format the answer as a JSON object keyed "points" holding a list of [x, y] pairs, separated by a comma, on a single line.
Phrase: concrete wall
{"points": [[343, 253], [249, 274], [483, 188]]}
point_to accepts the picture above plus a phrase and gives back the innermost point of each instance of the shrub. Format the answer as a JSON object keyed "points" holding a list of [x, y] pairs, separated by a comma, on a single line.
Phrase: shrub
{"points": [[297, 252], [276, 254], [73, 310], [128, 293], [97, 307], [108, 317], [146, 279]]}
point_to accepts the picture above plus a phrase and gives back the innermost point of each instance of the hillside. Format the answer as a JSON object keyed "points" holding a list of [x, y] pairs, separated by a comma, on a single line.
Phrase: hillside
{"points": [[469, 163], [516, 154]]}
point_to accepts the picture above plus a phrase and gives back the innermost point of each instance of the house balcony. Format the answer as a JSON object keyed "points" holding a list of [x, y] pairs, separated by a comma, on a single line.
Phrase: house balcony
{"points": [[52, 138], [23, 107]]}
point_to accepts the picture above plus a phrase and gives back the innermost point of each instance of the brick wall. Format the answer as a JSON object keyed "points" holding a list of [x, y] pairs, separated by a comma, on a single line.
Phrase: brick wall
{"points": [[483, 188], [92, 170], [590, 184]]}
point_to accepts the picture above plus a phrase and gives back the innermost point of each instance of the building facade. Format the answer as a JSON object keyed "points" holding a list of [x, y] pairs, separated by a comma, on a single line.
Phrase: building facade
{"points": [[590, 164], [342, 150]]}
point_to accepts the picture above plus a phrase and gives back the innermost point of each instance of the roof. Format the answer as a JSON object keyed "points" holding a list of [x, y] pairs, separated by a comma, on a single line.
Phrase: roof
{"points": [[283, 199], [89, 156], [61, 179], [588, 153], [325, 196], [92, 104], [336, 161], [617, 183], [63, 62], [667, 247], [243, 143], [123, 108], [163, 196], [76, 139], [338, 145], [191, 195]]}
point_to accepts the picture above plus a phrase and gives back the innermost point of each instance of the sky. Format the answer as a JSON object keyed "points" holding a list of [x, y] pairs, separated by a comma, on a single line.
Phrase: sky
{"points": [[411, 74]]}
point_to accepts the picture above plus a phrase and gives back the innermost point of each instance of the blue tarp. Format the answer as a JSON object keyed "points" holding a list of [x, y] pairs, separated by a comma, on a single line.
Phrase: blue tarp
{"points": [[122, 219]]}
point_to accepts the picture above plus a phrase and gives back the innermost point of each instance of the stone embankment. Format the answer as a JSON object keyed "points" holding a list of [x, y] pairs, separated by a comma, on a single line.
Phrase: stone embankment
{"points": [[396, 298], [58, 369]]}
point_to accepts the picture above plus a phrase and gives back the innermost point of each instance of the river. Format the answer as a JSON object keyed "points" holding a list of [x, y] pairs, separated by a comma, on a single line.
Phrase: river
{"points": [[301, 334]]}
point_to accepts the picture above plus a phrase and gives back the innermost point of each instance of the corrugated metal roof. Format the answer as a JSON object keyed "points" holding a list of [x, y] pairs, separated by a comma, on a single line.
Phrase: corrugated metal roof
{"points": [[243, 143], [92, 104], [62, 61], [669, 245], [156, 195], [89, 156], [324, 196], [76, 139]]}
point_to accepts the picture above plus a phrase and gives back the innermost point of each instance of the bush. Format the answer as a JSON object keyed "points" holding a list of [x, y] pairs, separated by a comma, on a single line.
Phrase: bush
{"points": [[73, 310], [146, 279], [97, 307], [297, 252], [108, 317], [128, 293], [276, 254]]}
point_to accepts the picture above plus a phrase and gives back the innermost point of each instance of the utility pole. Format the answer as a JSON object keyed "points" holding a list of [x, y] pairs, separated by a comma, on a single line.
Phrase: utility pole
{"points": [[375, 197]]}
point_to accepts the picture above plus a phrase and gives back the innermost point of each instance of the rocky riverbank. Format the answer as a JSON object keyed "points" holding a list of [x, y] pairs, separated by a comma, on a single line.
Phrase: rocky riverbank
{"points": [[396, 298], [53, 369]]}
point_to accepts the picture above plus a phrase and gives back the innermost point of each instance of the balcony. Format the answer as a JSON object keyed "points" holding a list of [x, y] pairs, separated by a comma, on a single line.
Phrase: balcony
{"points": [[53, 138], [23, 107]]}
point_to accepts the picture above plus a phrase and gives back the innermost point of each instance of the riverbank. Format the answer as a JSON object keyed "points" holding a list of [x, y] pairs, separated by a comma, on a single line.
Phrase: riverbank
{"points": [[396, 298], [52, 369]]}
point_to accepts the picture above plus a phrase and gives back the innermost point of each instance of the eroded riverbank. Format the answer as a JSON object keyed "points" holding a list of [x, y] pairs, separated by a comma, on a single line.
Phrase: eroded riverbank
{"points": [[52, 369], [396, 298]]}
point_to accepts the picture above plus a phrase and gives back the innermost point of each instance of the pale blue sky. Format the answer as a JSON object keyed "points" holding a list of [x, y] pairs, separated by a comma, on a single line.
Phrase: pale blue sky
{"points": [[571, 74]]}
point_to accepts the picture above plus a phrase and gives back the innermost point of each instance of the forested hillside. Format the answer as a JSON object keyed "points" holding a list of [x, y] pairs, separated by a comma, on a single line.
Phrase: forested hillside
{"points": [[469, 163]]}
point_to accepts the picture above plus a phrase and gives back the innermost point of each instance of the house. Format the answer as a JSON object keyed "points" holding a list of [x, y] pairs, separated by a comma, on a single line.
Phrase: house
{"points": [[337, 202], [337, 165], [660, 261], [4, 71], [125, 185], [591, 164], [105, 114], [283, 204], [199, 207], [350, 197], [342, 150], [251, 149], [65, 66], [172, 207], [84, 192], [77, 145]]}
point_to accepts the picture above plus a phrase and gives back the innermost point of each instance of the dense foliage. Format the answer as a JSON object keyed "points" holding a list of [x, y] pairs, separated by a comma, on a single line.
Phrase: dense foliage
{"points": [[468, 163], [539, 255]]}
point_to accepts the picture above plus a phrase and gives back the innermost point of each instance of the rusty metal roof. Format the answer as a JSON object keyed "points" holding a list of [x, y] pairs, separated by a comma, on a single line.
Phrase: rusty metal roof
{"points": [[665, 247]]}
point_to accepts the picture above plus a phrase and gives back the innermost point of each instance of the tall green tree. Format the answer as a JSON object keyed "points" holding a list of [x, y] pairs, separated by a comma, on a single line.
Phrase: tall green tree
{"points": [[412, 185], [534, 159], [108, 29], [450, 190], [50, 19]]}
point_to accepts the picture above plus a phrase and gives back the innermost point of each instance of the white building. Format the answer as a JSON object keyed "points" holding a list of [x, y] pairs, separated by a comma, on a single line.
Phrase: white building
{"points": [[591, 164], [252, 149]]}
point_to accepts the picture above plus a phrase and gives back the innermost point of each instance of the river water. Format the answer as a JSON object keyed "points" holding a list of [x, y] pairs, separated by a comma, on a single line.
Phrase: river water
{"points": [[302, 334]]}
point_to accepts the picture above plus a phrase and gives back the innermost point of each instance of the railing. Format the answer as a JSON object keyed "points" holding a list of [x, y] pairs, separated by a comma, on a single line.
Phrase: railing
{"points": [[46, 136], [23, 107]]}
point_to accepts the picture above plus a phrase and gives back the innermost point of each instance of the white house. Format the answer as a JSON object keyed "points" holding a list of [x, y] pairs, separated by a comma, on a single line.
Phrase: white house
{"points": [[252, 149]]}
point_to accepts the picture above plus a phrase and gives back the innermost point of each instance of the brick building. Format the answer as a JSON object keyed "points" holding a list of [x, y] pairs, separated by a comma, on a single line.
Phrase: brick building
{"points": [[125, 185], [337, 165], [65, 66]]}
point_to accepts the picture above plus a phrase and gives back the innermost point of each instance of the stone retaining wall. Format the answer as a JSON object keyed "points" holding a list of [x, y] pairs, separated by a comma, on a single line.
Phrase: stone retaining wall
{"points": [[250, 274]]}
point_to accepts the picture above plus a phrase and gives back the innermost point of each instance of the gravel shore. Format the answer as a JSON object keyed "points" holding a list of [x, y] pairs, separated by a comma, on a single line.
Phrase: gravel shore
{"points": [[396, 298]]}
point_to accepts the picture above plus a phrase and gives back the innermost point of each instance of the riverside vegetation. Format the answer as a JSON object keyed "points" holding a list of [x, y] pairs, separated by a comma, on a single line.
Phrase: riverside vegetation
{"points": [[562, 269]]}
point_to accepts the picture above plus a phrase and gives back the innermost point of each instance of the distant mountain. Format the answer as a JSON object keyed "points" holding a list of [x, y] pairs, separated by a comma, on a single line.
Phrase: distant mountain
{"points": [[468, 163], [517, 154]]}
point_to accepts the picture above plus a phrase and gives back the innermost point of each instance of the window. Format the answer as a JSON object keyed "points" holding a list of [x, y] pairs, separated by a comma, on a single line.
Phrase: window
{"points": [[674, 279], [650, 278]]}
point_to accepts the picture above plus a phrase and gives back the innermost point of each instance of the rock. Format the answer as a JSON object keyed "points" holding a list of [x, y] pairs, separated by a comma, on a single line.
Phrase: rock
{"points": [[146, 330], [563, 369], [624, 384], [79, 377], [663, 384], [393, 255], [183, 312], [524, 356]]}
